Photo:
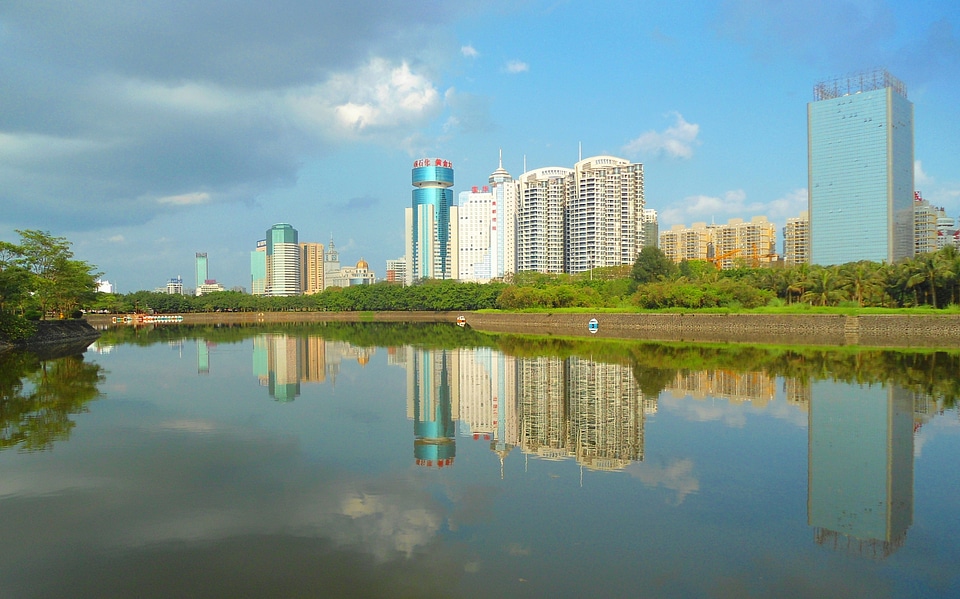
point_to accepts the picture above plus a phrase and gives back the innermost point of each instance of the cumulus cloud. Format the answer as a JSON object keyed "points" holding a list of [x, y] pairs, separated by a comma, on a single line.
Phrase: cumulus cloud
{"points": [[186, 199], [516, 66], [732, 204], [126, 109], [676, 141], [469, 51]]}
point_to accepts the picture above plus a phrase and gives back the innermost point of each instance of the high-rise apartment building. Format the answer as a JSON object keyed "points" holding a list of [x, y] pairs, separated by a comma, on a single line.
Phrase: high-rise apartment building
{"points": [[431, 222], [860, 169], [924, 225], [540, 220], [651, 227], [283, 261], [796, 240], [753, 242], [603, 213], [311, 268]]}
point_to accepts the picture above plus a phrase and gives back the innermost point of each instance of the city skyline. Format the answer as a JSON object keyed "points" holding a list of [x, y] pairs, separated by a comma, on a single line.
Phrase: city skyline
{"points": [[147, 136]]}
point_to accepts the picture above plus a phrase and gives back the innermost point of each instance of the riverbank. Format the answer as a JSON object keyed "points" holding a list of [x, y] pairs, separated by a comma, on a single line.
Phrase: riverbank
{"points": [[870, 330], [53, 334]]}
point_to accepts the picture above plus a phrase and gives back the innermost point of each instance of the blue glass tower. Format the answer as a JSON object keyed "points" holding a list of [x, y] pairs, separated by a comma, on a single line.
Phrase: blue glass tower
{"points": [[431, 228], [860, 177]]}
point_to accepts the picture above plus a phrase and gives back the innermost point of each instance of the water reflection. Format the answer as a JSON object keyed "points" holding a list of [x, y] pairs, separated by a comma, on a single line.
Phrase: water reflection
{"points": [[860, 492], [282, 362], [38, 397]]}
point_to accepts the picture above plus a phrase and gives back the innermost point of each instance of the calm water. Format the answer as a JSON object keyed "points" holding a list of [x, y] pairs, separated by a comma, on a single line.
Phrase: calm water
{"points": [[352, 461]]}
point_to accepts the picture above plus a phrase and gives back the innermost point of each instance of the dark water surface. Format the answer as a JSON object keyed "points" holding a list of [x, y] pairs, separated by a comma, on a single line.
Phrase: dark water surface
{"points": [[374, 461]]}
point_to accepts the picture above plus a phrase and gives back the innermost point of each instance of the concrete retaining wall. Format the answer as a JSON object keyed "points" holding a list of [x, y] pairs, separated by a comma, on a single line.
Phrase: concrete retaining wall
{"points": [[794, 329]]}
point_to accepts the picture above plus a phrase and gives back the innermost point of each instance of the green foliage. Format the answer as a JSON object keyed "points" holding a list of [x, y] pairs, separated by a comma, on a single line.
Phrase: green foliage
{"points": [[652, 265]]}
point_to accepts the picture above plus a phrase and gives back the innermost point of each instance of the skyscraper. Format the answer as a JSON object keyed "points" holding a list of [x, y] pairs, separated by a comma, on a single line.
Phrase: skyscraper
{"points": [[202, 273], [540, 222], [478, 248], [258, 269], [860, 169], [504, 190], [431, 222], [283, 261], [604, 213], [311, 268]]}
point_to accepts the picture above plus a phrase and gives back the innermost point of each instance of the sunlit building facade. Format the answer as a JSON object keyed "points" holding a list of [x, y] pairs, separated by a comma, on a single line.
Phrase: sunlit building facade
{"points": [[860, 170], [603, 212], [504, 190], [283, 261], [796, 240], [540, 219], [478, 243], [311, 268], [430, 224]]}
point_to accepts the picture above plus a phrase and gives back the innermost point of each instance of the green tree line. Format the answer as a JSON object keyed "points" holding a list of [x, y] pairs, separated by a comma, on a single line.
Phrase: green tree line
{"points": [[39, 278]]}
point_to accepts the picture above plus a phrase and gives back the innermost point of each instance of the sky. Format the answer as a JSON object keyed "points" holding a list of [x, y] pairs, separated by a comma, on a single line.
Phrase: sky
{"points": [[147, 132]]}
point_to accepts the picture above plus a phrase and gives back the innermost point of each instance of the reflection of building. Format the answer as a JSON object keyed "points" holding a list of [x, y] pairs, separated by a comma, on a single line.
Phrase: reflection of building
{"points": [[283, 362], [606, 414], [488, 398], [758, 388], [433, 404], [860, 494], [860, 149], [575, 407], [203, 357]]}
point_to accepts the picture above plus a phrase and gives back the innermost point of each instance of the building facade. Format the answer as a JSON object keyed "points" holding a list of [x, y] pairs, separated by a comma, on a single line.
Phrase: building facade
{"points": [[283, 261], [202, 269], [477, 244], [540, 219], [860, 170], [311, 268], [753, 242], [504, 190], [431, 222], [603, 214], [258, 269], [397, 270], [796, 240]]}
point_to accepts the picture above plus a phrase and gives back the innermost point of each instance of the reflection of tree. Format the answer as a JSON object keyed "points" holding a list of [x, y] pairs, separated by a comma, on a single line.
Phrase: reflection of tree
{"points": [[37, 398]]}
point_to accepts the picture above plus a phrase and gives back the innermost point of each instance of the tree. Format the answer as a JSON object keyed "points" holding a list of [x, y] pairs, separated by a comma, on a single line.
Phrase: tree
{"points": [[652, 265], [58, 282]]}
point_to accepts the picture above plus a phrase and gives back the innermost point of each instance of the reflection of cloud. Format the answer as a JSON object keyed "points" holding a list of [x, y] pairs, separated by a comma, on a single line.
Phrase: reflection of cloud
{"points": [[676, 476], [705, 411], [517, 550], [380, 519]]}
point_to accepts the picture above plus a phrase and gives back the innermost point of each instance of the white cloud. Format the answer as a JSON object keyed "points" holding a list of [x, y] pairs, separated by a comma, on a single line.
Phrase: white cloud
{"points": [[516, 66], [732, 204], [379, 96], [469, 51], [186, 199], [676, 141], [116, 239], [920, 178]]}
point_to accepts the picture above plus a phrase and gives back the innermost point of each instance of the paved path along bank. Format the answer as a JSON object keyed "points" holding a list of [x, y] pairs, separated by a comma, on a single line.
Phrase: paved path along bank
{"points": [[883, 330]]}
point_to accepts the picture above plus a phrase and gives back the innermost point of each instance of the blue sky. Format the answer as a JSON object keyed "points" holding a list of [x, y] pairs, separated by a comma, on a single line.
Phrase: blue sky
{"points": [[146, 132]]}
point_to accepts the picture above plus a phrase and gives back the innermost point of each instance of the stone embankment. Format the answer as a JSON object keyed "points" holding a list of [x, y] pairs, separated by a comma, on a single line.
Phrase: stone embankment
{"points": [[51, 334], [880, 330]]}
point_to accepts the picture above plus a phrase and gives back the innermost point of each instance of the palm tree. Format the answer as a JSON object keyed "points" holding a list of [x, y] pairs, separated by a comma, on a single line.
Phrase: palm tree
{"points": [[822, 285], [929, 268], [860, 279]]}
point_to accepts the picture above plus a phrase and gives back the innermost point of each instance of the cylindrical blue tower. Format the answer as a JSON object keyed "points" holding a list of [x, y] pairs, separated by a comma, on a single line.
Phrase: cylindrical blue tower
{"points": [[432, 200]]}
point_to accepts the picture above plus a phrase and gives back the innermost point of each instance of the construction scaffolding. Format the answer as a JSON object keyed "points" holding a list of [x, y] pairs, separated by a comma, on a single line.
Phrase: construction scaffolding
{"points": [[865, 81]]}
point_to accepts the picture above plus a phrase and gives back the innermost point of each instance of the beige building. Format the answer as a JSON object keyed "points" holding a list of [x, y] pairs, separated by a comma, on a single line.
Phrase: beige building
{"points": [[796, 240], [311, 268], [754, 241]]}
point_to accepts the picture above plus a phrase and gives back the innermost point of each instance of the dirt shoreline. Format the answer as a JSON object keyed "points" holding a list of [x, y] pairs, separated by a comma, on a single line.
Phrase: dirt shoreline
{"points": [[880, 330]]}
